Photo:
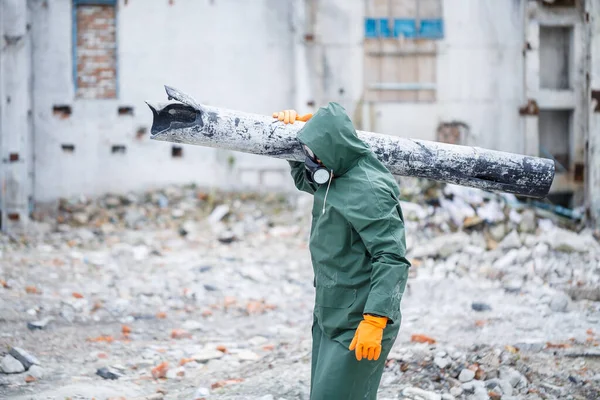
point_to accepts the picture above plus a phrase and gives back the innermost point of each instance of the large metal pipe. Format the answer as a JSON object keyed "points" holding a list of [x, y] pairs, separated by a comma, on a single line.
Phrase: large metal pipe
{"points": [[186, 121]]}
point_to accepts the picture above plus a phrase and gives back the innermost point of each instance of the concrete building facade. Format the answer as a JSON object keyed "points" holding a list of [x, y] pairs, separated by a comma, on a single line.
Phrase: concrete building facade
{"points": [[512, 75]]}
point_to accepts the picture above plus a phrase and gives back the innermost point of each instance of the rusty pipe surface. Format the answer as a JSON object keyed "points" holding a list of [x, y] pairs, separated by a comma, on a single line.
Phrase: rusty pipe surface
{"points": [[186, 121]]}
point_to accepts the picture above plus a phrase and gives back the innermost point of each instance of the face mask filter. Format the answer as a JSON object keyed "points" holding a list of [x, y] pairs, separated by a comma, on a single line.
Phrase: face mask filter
{"points": [[315, 172]]}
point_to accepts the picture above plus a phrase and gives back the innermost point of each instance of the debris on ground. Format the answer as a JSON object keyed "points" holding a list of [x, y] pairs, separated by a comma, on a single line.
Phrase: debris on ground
{"points": [[210, 295]]}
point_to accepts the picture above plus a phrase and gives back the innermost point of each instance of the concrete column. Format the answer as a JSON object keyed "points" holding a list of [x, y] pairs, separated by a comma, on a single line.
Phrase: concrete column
{"points": [[302, 77], [593, 137], [532, 82], [15, 126]]}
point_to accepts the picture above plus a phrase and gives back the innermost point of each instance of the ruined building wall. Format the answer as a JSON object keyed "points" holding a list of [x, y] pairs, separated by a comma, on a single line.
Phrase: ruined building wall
{"points": [[462, 71]]}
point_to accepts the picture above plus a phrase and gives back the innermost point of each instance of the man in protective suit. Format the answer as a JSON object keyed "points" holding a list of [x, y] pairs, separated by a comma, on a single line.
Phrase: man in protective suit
{"points": [[357, 247]]}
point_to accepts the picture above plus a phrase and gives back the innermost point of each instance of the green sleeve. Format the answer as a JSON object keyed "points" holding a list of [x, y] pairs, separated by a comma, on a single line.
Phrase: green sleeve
{"points": [[378, 221], [299, 177]]}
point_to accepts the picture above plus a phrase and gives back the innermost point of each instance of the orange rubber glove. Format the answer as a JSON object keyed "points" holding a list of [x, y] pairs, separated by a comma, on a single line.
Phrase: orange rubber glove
{"points": [[291, 116], [367, 339]]}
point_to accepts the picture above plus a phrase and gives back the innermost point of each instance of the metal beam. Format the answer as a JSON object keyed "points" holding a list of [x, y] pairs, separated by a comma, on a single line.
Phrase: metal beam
{"points": [[186, 121]]}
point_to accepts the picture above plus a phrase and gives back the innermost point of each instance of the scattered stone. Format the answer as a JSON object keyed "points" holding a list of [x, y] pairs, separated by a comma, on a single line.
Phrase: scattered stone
{"points": [[476, 389], [584, 293], [180, 334], [587, 354], [41, 324], [207, 354], [414, 393], [505, 386], [466, 375], [218, 213], [507, 260], [498, 232], [107, 373], [511, 241], [447, 396], [456, 391], [257, 340], [441, 246], [534, 347], [419, 338], [413, 211], [528, 223], [175, 373], [493, 395], [192, 325], [162, 200], [156, 396], [472, 221], [512, 284], [491, 212], [514, 377], [480, 307], [201, 392], [24, 357], [247, 355], [160, 371], [559, 302], [112, 201], [36, 371], [133, 218], [441, 362], [254, 273], [567, 241], [80, 218], [227, 237], [10, 365], [204, 268]]}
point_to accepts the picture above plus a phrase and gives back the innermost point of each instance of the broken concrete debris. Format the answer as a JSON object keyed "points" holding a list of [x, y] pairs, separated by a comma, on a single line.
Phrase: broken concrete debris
{"points": [[18, 360], [23, 357], [496, 294], [41, 324], [107, 373], [10, 365], [420, 394], [466, 375]]}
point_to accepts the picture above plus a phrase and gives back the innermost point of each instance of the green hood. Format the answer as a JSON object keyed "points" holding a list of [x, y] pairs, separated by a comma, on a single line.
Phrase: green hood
{"points": [[332, 137]]}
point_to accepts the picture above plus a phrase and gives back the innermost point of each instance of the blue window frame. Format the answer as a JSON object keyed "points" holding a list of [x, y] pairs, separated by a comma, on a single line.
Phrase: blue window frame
{"points": [[371, 28], [412, 28], [431, 28], [74, 36], [405, 27]]}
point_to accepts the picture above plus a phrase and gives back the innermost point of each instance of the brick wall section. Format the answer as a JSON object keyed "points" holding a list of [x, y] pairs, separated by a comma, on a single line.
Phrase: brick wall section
{"points": [[96, 52]]}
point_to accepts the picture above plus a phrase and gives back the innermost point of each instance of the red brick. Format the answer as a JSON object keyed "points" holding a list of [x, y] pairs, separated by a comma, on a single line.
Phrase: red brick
{"points": [[96, 55]]}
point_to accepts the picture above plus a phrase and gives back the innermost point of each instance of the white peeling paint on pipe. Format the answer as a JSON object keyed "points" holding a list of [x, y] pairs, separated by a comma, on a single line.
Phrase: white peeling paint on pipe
{"points": [[186, 121]]}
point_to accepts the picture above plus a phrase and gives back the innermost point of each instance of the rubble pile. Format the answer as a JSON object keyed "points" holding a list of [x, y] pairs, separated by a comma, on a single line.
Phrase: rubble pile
{"points": [[470, 231], [182, 293]]}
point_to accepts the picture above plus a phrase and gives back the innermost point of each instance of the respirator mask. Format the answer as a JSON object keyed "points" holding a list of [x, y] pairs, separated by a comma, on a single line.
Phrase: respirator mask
{"points": [[315, 172]]}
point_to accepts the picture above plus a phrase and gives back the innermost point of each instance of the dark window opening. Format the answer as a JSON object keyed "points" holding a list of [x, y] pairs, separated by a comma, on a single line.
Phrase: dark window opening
{"points": [[125, 110], [177, 152], [118, 149], [62, 111], [68, 148]]}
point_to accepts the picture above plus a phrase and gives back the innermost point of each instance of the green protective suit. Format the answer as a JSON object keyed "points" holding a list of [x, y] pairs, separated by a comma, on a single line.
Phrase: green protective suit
{"points": [[357, 247]]}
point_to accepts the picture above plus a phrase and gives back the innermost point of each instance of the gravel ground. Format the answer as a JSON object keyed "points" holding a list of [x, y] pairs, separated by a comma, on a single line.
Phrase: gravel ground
{"points": [[178, 294]]}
